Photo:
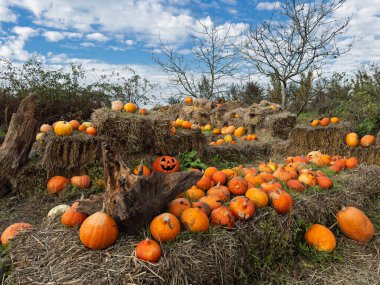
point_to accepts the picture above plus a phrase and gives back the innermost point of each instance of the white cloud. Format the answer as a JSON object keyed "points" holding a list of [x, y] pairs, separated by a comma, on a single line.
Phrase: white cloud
{"points": [[130, 42], [97, 37], [262, 6], [6, 15], [55, 36], [12, 46]]}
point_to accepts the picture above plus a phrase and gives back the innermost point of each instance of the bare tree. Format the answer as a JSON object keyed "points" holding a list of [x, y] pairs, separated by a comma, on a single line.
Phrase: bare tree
{"points": [[300, 37], [213, 58]]}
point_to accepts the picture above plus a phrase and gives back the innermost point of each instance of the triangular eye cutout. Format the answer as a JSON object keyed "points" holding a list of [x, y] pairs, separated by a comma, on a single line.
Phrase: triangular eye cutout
{"points": [[173, 160], [163, 159]]}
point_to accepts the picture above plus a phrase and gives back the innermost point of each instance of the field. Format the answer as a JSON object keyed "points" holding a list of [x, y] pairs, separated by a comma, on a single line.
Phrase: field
{"points": [[266, 247]]}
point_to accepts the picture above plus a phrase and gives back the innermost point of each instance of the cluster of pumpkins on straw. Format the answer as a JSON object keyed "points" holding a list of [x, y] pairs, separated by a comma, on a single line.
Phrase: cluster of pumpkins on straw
{"points": [[129, 107], [324, 121], [63, 128], [220, 198], [352, 140]]}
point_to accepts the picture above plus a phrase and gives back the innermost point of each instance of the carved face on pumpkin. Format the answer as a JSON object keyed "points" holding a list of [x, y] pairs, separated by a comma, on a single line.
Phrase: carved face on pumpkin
{"points": [[166, 164]]}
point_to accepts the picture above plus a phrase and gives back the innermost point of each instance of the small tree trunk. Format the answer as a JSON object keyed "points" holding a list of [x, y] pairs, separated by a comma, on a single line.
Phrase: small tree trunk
{"points": [[18, 142], [134, 200], [283, 95]]}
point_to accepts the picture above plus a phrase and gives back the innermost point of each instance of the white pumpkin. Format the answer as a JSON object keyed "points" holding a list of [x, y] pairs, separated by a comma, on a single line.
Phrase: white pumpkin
{"points": [[87, 124], [40, 137], [117, 105], [58, 211]]}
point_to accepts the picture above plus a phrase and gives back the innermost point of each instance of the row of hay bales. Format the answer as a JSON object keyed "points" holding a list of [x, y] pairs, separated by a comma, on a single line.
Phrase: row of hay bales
{"points": [[255, 253], [331, 140]]}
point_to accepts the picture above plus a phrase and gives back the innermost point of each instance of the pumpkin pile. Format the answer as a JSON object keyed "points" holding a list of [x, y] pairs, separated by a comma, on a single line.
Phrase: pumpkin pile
{"points": [[63, 128], [58, 183], [323, 122], [352, 140], [119, 106]]}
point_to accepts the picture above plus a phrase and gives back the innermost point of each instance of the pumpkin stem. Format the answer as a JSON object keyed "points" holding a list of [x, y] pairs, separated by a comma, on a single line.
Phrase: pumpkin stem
{"points": [[167, 220], [343, 208], [141, 168], [217, 185], [103, 208]]}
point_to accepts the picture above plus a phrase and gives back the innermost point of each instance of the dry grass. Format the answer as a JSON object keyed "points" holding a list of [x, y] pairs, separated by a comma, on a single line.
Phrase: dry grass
{"points": [[262, 251]]}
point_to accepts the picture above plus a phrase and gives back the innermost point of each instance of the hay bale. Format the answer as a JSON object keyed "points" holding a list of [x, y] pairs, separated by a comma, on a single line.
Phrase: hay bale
{"points": [[70, 155], [279, 125], [253, 251]]}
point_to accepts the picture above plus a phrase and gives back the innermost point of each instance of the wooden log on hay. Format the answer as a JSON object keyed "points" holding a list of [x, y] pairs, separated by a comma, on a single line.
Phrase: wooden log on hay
{"points": [[17, 144], [134, 200]]}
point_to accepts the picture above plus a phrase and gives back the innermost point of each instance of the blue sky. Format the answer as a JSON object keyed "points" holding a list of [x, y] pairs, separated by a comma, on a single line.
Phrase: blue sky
{"points": [[111, 34]]}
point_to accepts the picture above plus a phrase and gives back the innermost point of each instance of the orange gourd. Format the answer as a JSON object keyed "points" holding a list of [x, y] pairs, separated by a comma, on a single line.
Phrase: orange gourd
{"points": [[220, 177], [238, 186], [82, 182], [258, 197], [57, 184], [351, 162], [204, 183], [130, 108], [324, 182], [210, 171], [320, 238], [367, 140], [177, 206], [194, 193], [296, 185], [352, 139], [165, 227], [223, 217], [148, 250], [213, 201], [281, 200], [242, 207], [195, 220], [221, 191]]}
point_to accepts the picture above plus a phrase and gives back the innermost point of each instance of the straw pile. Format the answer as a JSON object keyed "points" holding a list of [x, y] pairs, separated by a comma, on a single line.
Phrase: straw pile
{"points": [[70, 155], [255, 253]]}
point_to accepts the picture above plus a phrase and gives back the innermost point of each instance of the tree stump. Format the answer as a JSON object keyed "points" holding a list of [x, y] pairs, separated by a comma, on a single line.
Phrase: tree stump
{"points": [[134, 200], [17, 144]]}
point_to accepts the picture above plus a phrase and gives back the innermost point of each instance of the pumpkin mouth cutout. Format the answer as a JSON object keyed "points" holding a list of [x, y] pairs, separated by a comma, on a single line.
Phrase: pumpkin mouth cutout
{"points": [[167, 165]]}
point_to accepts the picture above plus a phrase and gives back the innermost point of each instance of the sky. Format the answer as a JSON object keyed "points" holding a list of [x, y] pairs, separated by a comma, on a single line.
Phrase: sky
{"points": [[111, 34]]}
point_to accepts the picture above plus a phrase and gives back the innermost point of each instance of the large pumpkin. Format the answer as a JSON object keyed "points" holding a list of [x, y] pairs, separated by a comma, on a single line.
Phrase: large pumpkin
{"points": [[194, 220], [82, 182], [63, 129], [10, 232], [320, 238], [166, 164], [148, 250], [98, 231], [355, 224], [57, 184], [165, 227]]}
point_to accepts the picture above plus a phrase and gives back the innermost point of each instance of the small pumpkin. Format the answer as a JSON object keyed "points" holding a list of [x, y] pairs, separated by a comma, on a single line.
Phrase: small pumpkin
{"points": [[194, 220], [143, 169], [239, 132], [188, 100], [355, 224], [72, 217], [238, 186], [57, 184], [148, 250], [282, 175], [351, 162], [91, 131], [268, 187], [352, 139], [40, 137], [166, 164], [258, 197], [143, 112], [223, 217], [221, 191], [82, 182], [186, 125], [308, 179], [204, 183], [213, 201], [10, 232], [63, 129], [296, 185], [194, 193], [130, 108], [98, 231], [367, 140], [314, 123], [46, 128], [209, 171], [242, 207], [263, 167], [75, 124], [334, 120], [220, 177], [320, 238], [177, 206], [324, 182], [281, 200], [256, 180], [117, 105], [203, 206], [324, 122], [165, 227], [82, 128]]}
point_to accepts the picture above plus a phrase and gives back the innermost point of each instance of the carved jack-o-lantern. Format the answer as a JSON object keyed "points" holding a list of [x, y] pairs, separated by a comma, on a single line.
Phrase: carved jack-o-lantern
{"points": [[166, 164]]}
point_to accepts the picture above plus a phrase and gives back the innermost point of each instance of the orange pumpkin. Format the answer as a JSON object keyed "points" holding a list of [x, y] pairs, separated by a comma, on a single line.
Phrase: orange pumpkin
{"points": [[281, 200], [320, 238], [351, 162], [352, 139], [194, 193], [165, 227], [282, 175], [82, 182], [148, 250], [82, 128], [242, 207], [63, 129], [57, 184], [230, 173], [268, 187], [221, 191], [308, 179], [98, 231], [203, 206], [258, 197], [334, 120], [223, 217], [213, 201], [267, 177], [91, 131], [75, 124], [10, 232], [324, 122], [204, 183], [255, 180], [367, 140], [130, 108], [143, 111], [246, 171], [220, 177], [239, 132], [355, 224], [210, 171], [324, 182], [173, 130], [46, 128], [186, 125], [263, 167], [143, 169], [194, 220], [314, 123], [166, 164], [177, 206], [216, 131], [72, 217], [188, 100], [238, 186], [296, 185]]}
